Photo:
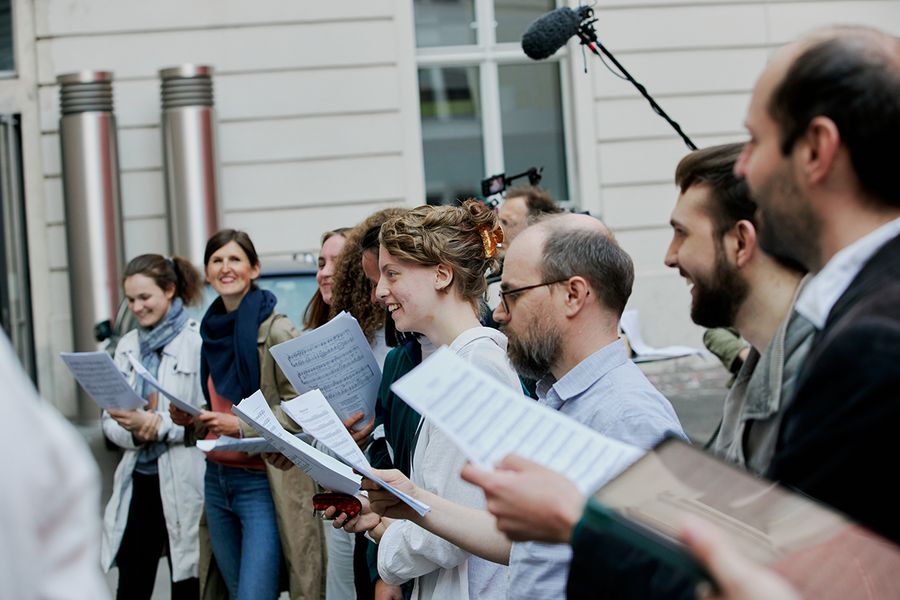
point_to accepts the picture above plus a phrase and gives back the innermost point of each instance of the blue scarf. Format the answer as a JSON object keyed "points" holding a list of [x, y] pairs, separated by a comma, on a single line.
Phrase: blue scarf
{"points": [[230, 353], [153, 340]]}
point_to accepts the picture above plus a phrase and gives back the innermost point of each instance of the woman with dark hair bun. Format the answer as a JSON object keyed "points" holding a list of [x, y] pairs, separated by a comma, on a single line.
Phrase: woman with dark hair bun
{"points": [[157, 493]]}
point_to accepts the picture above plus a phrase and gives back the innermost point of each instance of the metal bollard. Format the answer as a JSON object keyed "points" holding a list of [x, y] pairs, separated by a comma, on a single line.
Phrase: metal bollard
{"points": [[190, 158]]}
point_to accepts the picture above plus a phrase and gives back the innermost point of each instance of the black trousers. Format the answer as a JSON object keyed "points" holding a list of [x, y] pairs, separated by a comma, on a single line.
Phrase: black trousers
{"points": [[144, 541]]}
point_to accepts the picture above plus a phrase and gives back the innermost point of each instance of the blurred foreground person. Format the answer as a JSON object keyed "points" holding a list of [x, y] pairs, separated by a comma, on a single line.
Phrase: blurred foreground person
{"points": [[49, 526]]}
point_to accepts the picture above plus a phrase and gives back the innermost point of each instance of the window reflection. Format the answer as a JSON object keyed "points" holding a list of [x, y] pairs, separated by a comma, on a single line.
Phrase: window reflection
{"points": [[7, 58], [444, 22], [514, 16], [530, 102], [451, 133]]}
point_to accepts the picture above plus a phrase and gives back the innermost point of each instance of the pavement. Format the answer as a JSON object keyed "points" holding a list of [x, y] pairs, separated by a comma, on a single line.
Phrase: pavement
{"points": [[695, 385]]}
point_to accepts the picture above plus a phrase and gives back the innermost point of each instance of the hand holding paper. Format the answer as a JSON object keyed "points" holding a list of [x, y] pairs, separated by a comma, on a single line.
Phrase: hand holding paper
{"points": [[327, 471], [313, 412], [530, 502]]}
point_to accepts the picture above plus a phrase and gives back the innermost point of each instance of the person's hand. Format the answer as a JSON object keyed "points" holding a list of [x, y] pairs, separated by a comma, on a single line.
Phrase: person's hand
{"points": [[386, 591], [179, 417], [530, 502], [277, 460], [128, 419], [143, 425], [738, 577], [361, 437], [366, 520], [219, 423], [385, 503], [149, 429]]}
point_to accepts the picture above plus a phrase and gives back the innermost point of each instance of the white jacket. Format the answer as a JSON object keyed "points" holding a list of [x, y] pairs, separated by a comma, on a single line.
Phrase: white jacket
{"points": [[181, 468], [407, 551]]}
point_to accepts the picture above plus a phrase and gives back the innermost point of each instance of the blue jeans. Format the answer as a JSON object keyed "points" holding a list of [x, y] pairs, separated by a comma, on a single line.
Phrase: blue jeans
{"points": [[243, 532]]}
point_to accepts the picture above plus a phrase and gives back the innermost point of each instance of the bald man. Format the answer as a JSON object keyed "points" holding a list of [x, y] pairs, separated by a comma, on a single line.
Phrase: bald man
{"points": [[565, 284], [824, 120]]}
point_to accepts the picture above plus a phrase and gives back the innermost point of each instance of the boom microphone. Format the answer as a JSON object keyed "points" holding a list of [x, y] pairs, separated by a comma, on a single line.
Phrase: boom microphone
{"points": [[550, 32]]}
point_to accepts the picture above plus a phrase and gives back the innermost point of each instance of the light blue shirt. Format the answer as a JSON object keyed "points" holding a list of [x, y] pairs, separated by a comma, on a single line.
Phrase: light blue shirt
{"points": [[610, 394]]}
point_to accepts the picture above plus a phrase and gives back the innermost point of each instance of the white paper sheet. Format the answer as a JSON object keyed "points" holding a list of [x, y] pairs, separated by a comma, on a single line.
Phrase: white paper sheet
{"points": [[253, 445], [489, 421], [313, 412], [146, 375], [631, 327], [102, 380], [329, 472], [337, 359]]}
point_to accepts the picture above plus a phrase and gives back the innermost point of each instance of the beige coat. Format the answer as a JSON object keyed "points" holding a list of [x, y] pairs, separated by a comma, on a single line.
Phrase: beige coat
{"points": [[302, 537]]}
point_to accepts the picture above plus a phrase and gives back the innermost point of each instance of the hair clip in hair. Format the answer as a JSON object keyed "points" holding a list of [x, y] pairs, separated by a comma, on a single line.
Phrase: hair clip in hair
{"points": [[490, 238]]}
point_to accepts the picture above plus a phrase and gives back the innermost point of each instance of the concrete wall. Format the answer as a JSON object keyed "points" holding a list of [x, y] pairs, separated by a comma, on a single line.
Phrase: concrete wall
{"points": [[318, 120], [319, 123], [699, 59]]}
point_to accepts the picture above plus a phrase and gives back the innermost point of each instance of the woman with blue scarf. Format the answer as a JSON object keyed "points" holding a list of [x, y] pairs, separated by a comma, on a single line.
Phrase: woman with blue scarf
{"points": [[257, 517], [157, 493]]}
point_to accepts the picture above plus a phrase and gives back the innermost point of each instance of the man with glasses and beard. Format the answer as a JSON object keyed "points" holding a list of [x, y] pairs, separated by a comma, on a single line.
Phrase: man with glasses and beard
{"points": [[564, 287], [736, 284], [565, 284]]}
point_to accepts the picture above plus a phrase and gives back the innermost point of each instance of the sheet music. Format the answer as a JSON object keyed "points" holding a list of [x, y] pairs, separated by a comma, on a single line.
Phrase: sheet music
{"points": [[489, 421], [329, 472], [254, 445], [101, 379], [313, 412], [146, 375], [337, 359]]}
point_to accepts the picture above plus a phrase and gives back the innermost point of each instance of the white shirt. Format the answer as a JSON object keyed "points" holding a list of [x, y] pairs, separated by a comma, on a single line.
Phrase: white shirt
{"points": [[49, 522], [823, 291], [407, 551]]}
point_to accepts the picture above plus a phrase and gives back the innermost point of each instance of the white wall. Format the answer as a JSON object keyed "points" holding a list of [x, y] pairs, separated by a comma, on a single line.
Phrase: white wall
{"points": [[319, 125], [317, 107], [699, 60]]}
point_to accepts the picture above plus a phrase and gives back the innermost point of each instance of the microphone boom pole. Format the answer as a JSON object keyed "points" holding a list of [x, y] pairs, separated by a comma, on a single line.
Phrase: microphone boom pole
{"points": [[588, 36]]}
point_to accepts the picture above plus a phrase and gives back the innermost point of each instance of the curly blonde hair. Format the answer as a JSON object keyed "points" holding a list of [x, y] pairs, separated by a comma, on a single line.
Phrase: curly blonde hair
{"points": [[351, 289], [449, 235]]}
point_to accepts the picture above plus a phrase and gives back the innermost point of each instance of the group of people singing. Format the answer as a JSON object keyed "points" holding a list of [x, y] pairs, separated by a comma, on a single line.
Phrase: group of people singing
{"points": [[792, 239]]}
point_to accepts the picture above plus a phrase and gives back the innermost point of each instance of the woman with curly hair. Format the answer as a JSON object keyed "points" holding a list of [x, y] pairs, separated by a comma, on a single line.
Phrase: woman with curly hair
{"points": [[433, 261]]}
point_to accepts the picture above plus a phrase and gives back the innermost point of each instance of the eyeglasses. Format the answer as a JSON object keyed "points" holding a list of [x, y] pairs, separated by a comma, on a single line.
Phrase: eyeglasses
{"points": [[504, 295]]}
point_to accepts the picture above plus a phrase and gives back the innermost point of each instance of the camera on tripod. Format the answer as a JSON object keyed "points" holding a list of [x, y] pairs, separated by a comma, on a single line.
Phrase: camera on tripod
{"points": [[496, 184]]}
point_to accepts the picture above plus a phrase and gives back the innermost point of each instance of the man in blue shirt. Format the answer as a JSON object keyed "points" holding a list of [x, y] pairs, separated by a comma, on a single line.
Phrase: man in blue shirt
{"points": [[565, 283]]}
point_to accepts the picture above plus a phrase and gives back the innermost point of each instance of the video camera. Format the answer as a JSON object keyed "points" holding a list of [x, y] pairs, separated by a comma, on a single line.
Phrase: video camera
{"points": [[496, 184]]}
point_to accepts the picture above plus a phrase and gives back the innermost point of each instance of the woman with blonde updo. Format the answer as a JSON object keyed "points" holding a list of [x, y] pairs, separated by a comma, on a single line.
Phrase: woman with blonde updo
{"points": [[433, 261]]}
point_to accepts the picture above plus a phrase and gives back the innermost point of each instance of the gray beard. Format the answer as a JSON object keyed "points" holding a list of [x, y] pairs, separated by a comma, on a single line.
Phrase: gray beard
{"points": [[535, 352]]}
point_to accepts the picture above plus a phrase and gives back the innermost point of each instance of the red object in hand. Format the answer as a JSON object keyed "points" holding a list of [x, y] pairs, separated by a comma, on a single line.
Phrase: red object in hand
{"points": [[344, 503]]}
